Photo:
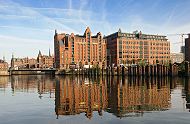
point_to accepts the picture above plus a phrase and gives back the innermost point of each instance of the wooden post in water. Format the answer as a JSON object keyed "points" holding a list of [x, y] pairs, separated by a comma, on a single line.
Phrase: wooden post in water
{"points": [[123, 71], [170, 70], [166, 70], [164, 73], [111, 71], [98, 71], [186, 68], [138, 72], [151, 70], [129, 70], [133, 68], [142, 70], [155, 71], [176, 73], [117, 70], [147, 71], [132, 72], [158, 69], [161, 70]]}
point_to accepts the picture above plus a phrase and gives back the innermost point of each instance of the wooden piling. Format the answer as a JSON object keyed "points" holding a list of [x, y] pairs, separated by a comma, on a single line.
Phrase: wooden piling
{"points": [[170, 70], [155, 70], [129, 71], [186, 68], [151, 70], [118, 71], [147, 71], [142, 70], [123, 71], [158, 69]]}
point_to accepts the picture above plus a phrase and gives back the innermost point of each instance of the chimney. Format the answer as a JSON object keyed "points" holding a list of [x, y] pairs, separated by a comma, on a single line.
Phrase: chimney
{"points": [[55, 32], [189, 35]]}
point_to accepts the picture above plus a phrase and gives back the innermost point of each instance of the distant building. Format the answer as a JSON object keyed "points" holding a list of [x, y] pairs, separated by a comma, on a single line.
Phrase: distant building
{"points": [[127, 48], [23, 63], [42, 61], [79, 50], [187, 48], [3, 65], [177, 57], [45, 61]]}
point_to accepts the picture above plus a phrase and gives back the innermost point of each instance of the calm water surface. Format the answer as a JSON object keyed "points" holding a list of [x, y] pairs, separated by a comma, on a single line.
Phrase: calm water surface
{"points": [[100, 100]]}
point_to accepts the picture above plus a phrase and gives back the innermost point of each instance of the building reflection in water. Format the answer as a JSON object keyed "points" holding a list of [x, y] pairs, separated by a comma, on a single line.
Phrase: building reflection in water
{"points": [[122, 97], [33, 83], [4, 80], [80, 95], [133, 96]]}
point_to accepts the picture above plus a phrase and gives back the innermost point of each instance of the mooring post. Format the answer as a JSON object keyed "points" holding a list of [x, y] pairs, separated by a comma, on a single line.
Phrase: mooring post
{"points": [[142, 70], [129, 70], [147, 72], [170, 71], [158, 69], [151, 70], [186, 68], [117, 70]]}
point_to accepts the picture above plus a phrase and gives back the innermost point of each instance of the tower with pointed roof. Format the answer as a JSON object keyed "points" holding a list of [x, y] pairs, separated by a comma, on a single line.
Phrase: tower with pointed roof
{"points": [[49, 53], [39, 59]]}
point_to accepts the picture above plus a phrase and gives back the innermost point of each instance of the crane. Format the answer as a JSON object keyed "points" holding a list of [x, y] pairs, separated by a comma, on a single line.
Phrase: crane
{"points": [[182, 37]]}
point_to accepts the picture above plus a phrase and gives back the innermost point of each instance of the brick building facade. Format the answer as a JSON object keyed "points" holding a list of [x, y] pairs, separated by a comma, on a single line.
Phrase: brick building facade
{"points": [[23, 63], [79, 50], [127, 48], [187, 48], [42, 61], [3, 65], [45, 61]]}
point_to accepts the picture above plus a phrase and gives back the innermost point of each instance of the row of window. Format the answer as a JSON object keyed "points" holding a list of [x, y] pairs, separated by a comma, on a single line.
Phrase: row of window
{"points": [[146, 56], [155, 52], [139, 47], [146, 52], [145, 36], [145, 43], [160, 48]]}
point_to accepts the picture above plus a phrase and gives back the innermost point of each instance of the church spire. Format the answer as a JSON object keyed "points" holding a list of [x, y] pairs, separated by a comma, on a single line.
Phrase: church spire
{"points": [[3, 58], [119, 30], [39, 53], [12, 55], [49, 52], [55, 32]]}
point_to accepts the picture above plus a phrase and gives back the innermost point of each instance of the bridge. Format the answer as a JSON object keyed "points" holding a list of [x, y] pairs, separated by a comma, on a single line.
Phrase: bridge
{"points": [[31, 71]]}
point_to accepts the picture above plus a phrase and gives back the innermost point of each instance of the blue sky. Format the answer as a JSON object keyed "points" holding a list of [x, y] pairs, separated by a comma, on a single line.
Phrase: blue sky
{"points": [[27, 26]]}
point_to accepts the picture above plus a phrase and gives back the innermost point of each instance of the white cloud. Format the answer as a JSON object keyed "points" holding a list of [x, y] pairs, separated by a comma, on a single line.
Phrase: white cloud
{"points": [[10, 39]]}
